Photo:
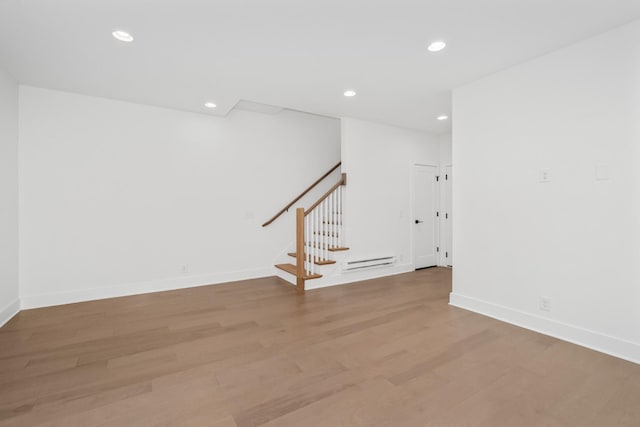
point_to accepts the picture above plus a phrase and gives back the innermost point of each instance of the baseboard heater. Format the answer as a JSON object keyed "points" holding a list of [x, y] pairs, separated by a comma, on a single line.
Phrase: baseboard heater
{"points": [[361, 264]]}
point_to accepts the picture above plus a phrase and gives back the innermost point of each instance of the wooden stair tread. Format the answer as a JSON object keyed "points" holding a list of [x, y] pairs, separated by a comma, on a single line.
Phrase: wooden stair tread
{"points": [[291, 269], [337, 249], [321, 262]]}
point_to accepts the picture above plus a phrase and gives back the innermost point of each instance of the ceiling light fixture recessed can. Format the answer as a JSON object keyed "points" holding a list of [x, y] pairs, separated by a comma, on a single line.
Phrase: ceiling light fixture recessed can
{"points": [[443, 117], [437, 46], [123, 36], [210, 105], [350, 93]]}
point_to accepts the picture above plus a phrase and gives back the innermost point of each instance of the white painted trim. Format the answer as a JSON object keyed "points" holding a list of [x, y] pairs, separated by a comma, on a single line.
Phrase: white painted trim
{"points": [[80, 295], [344, 278], [358, 276], [603, 343], [290, 278], [412, 215], [442, 261], [8, 311]]}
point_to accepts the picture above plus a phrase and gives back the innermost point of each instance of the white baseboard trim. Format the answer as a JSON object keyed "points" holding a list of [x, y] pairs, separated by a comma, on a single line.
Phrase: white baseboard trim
{"points": [[344, 278], [8, 311], [289, 278], [593, 340], [137, 288], [358, 276]]}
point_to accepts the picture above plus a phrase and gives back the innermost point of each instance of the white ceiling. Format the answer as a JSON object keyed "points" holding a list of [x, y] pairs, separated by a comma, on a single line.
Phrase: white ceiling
{"points": [[299, 54]]}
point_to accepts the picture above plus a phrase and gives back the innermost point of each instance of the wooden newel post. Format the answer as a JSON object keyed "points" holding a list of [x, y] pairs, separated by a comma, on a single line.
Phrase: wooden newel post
{"points": [[300, 248]]}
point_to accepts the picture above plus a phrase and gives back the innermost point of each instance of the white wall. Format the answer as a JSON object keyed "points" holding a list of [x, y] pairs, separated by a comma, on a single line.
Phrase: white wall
{"points": [[9, 304], [378, 160], [575, 239], [117, 197], [445, 149]]}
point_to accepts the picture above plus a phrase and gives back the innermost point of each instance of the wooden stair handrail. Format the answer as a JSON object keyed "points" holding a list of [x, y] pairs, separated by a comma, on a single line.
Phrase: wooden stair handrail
{"points": [[343, 181], [286, 208]]}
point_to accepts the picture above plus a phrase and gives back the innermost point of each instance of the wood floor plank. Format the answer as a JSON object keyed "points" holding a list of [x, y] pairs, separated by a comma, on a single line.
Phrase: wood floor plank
{"points": [[383, 352]]}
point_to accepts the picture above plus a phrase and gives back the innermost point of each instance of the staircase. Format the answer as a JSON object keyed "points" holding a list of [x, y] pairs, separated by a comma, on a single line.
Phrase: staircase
{"points": [[319, 233]]}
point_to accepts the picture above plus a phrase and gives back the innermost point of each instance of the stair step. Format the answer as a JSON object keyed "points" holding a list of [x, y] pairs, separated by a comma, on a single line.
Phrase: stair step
{"points": [[316, 262], [291, 269]]}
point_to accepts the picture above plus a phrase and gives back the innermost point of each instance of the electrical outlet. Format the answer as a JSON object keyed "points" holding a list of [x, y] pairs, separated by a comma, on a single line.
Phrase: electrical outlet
{"points": [[545, 304]]}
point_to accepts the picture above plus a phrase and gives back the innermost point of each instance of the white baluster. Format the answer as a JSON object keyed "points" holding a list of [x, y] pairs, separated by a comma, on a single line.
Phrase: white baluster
{"points": [[310, 249], [316, 247], [306, 244], [329, 222], [327, 219], [341, 210], [306, 239], [336, 229], [323, 227], [319, 228], [309, 254], [337, 225], [339, 196], [327, 209], [333, 220], [326, 226], [314, 215]]}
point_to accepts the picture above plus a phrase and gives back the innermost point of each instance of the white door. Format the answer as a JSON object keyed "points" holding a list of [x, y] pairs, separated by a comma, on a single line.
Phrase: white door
{"points": [[424, 221], [447, 251]]}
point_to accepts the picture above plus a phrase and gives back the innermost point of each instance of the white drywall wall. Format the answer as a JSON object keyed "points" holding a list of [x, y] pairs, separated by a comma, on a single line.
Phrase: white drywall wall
{"points": [[378, 160], [445, 149], [575, 239], [9, 303], [117, 197]]}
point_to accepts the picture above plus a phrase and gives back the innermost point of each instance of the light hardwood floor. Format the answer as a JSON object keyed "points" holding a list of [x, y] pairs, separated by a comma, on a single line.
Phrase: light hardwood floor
{"points": [[386, 352]]}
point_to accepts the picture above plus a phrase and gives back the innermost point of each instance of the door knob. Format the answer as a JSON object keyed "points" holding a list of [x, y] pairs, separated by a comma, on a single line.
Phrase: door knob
{"points": [[418, 221]]}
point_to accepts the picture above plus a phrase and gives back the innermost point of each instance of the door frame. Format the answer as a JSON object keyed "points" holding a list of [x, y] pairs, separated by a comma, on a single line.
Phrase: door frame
{"points": [[412, 208], [442, 261]]}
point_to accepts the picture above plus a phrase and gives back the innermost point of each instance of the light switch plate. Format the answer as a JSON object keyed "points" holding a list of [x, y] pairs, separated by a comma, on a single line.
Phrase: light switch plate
{"points": [[545, 175], [602, 172]]}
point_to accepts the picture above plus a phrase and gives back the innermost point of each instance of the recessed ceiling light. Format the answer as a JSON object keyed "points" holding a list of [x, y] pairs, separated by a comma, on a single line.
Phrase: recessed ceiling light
{"points": [[443, 117], [350, 93], [210, 105], [123, 36], [437, 46]]}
